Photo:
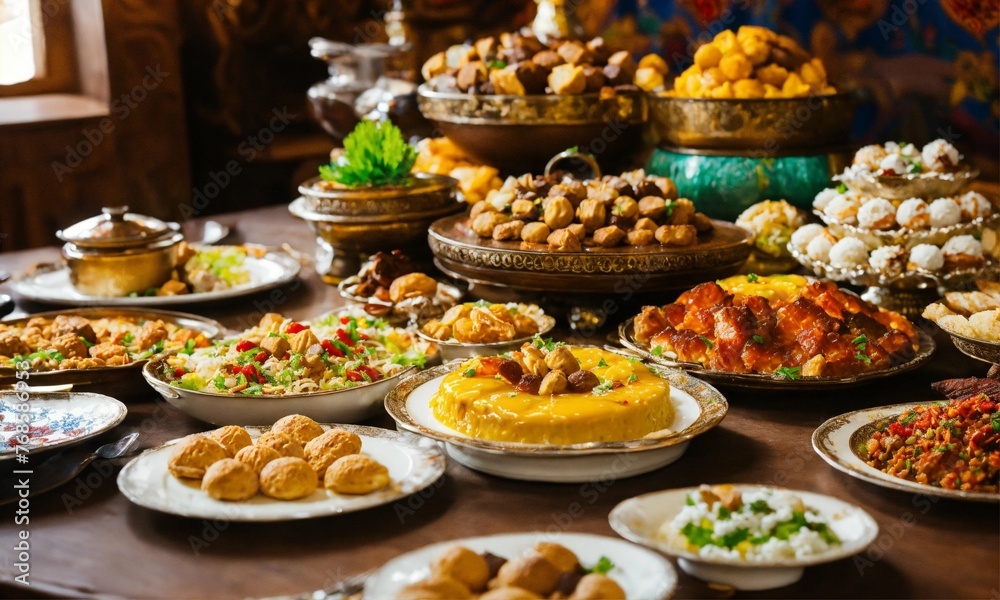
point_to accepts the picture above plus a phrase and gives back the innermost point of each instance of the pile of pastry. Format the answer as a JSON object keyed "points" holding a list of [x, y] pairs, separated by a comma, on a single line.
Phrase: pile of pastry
{"points": [[974, 314], [290, 461]]}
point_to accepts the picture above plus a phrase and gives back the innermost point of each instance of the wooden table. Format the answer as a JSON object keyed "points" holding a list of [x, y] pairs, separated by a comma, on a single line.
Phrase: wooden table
{"points": [[87, 539]]}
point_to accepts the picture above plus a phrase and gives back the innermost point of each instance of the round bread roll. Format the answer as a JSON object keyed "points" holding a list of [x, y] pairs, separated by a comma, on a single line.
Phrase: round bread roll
{"points": [[465, 566], [298, 427], [509, 593], [323, 450], [435, 588], [281, 443], [356, 474], [230, 479], [288, 478], [257, 456], [232, 438], [597, 587], [559, 555], [533, 572], [193, 455]]}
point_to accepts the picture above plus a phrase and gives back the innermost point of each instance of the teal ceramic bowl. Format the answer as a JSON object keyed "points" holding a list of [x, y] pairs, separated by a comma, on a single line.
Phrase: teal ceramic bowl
{"points": [[723, 186]]}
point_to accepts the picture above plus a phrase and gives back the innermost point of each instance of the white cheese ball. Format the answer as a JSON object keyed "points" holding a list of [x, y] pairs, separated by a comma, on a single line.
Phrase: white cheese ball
{"points": [[805, 234], [939, 155], [877, 213], [945, 212], [888, 259], [927, 257], [962, 245], [869, 157], [848, 253], [818, 248], [893, 165], [913, 214], [824, 198], [974, 205], [843, 209]]}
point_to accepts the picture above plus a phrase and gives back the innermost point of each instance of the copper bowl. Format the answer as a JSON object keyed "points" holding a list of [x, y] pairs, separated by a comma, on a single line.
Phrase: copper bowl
{"points": [[519, 134], [420, 192]]}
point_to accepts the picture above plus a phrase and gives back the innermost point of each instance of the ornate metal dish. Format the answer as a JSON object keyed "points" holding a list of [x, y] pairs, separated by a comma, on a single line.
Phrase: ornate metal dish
{"points": [[423, 192], [451, 350], [769, 127], [460, 252], [914, 185], [909, 237], [699, 407], [768, 381], [837, 440], [978, 349]]}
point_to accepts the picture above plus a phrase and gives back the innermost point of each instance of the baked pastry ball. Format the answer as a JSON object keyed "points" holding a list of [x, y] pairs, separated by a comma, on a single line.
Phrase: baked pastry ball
{"points": [[230, 479], [232, 438], [323, 450], [281, 443], [435, 588], [597, 587], [356, 474], [509, 593], [464, 565], [562, 557], [288, 478], [298, 427], [257, 456], [194, 455], [533, 572]]}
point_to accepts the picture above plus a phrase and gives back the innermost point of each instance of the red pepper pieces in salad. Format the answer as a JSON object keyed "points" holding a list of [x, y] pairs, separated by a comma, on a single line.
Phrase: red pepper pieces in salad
{"points": [[244, 345], [295, 328], [331, 349], [261, 356]]}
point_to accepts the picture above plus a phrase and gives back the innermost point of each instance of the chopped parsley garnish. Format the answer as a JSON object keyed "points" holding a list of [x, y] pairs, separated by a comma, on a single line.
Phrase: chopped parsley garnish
{"points": [[603, 363], [759, 339], [689, 501], [724, 513], [789, 373], [995, 421], [547, 344], [603, 566], [860, 341], [128, 337], [188, 347], [632, 360], [500, 64], [656, 351], [84, 340], [707, 341], [863, 358], [760, 507], [841, 188], [469, 373], [603, 388], [752, 278], [633, 377], [910, 417]]}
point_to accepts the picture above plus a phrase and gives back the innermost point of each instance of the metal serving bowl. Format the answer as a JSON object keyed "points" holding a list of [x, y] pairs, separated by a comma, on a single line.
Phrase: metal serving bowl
{"points": [[767, 126], [911, 185], [521, 133], [421, 192]]}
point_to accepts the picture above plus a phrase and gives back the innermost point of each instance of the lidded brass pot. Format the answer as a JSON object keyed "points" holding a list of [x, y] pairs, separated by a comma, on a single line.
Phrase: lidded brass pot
{"points": [[118, 252]]}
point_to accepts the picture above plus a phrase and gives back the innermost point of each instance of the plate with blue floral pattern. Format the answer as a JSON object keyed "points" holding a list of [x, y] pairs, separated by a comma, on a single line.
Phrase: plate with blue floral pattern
{"points": [[41, 421]]}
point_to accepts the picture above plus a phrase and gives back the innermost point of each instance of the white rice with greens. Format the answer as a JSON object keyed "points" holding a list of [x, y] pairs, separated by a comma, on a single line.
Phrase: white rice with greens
{"points": [[720, 522]]}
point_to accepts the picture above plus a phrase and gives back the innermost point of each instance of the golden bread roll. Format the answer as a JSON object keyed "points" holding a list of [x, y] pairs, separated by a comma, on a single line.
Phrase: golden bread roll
{"points": [[464, 565], [509, 593], [232, 437], [230, 479], [282, 444], [288, 478], [322, 451], [257, 456], [533, 572], [597, 587], [193, 455], [562, 557], [435, 588], [356, 474], [298, 427]]}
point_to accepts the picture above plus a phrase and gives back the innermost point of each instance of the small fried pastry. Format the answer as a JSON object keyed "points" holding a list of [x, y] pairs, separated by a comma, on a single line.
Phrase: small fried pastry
{"points": [[356, 474], [597, 587], [281, 443], [257, 456], [533, 572], [232, 437], [509, 593], [194, 455], [464, 565], [322, 451], [298, 427], [288, 478], [230, 479], [435, 588], [562, 557]]}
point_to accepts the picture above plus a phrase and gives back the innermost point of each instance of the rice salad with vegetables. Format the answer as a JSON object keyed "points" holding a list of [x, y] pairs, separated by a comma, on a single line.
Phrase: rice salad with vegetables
{"points": [[280, 356], [766, 525]]}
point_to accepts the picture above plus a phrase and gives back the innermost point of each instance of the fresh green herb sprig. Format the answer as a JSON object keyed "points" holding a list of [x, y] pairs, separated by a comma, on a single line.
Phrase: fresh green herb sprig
{"points": [[375, 154]]}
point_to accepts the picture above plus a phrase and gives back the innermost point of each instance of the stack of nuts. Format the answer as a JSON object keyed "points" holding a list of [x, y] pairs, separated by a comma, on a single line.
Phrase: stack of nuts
{"points": [[520, 64], [568, 214], [543, 371]]}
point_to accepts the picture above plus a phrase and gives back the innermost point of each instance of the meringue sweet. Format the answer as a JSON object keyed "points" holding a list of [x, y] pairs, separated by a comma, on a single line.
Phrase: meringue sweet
{"points": [[926, 257], [848, 253], [877, 213], [805, 234], [945, 212], [913, 214]]}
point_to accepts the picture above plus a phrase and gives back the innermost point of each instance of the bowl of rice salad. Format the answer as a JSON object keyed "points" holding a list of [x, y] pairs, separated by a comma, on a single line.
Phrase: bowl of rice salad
{"points": [[337, 368], [749, 537]]}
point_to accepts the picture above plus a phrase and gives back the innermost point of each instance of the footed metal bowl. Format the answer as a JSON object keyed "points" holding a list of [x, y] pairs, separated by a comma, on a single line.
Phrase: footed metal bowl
{"points": [[421, 192]]}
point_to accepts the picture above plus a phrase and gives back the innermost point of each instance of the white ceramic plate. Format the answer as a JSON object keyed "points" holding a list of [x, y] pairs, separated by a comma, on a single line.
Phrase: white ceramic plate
{"points": [[639, 519], [58, 419], [50, 284], [147, 482], [698, 406], [836, 439], [642, 574]]}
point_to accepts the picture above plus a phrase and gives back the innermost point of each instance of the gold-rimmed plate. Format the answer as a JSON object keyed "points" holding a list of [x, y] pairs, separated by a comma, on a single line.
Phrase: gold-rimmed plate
{"points": [[770, 381], [698, 408]]}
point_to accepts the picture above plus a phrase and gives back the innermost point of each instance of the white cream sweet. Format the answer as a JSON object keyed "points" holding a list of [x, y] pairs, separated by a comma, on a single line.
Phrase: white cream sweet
{"points": [[945, 212], [843, 209], [869, 157], [927, 257], [877, 213], [913, 214], [974, 205], [893, 165], [848, 253], [939, 155], [819, 247], [888, 259], [962, 245], [805, 234], [824, 198]]}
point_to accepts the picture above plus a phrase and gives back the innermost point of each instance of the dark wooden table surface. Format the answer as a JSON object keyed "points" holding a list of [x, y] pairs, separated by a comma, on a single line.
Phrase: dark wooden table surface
{"points": [[87, 539]]}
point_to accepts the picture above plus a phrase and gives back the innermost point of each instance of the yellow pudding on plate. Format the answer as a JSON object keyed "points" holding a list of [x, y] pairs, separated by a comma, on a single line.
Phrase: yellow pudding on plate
{"points": [[540, 395]]}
